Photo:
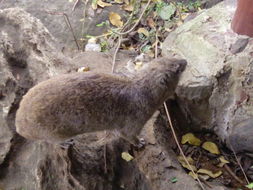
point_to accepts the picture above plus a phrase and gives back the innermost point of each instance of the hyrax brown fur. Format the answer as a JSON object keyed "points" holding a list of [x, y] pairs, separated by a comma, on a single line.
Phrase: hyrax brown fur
{"points": [[71, 104]]}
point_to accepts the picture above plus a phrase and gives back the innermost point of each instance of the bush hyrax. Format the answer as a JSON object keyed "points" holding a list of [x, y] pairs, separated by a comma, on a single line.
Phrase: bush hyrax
{"points": [[71, 104]]}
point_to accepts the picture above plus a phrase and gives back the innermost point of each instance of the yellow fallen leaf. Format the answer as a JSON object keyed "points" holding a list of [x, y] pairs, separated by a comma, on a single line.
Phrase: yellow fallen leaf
{"points": [[103, 4], [94, 4], [193, 175], [126, 156], [118, 1], [210, 173], [185, 165], [128, 7], [211, 147], [138, 65], [223, 161], [184, 16], [83, 69], [179, 23], [143, 31], [115, 19], [191, 139]]}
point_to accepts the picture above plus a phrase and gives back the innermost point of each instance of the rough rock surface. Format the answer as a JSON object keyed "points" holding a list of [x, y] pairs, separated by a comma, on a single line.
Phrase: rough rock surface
{"points": [[216, 91], [50, 14], [28, 56], [56, 24]]}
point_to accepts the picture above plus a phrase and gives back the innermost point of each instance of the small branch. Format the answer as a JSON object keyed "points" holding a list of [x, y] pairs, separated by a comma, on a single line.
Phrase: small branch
{"points": [[84, 16], [178, 10], [66, 19], [179, 147], [232, 174], [156, 43], [137, 22], [71, 29], [237, 160], [115, 53], [105, 164], [123, 33], [74, 6]]}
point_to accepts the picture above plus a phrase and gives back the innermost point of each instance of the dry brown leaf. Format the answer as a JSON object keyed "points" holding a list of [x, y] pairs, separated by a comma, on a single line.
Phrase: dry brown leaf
{"points": [[211, 147], [143, 31], [210, 173], [151, 54], [151, 22], [115, 19], [191, 139], [128, 7], [103, 4]]}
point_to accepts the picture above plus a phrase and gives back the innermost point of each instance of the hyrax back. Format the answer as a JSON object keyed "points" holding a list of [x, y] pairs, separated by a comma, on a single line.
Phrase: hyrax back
{"points": [[71, 104]]}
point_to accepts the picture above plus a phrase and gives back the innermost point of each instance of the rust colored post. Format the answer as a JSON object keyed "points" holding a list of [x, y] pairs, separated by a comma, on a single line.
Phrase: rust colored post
{"points": [[242, 22]]}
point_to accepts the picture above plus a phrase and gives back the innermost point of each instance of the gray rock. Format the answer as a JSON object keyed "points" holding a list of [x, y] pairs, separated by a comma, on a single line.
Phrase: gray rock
{"points": [[50, 13], [25, 58], [215, 91]]}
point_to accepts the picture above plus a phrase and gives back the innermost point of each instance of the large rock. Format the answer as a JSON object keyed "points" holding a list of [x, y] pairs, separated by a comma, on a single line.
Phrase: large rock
{"points": [[50, 13], [216, 90], [27, 56]]}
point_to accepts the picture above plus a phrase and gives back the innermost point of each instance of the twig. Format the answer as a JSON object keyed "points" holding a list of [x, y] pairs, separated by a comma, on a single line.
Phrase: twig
{"points": [[237, 160], [123, 33], [137, 22], [66, 19], [232, 174], [156, 43], [115, 53], [74, 6], [71, 29], [178, 10], [179, 147], [205, 182], [84, 16], [105, 166], [173, 131]]}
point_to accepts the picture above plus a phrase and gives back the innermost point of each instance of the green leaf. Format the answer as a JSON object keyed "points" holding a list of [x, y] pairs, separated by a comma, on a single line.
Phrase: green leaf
{"points": [[101, 24], [89, 36], [174, 180], [250, 186], [146, 48], [167, 11]]}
